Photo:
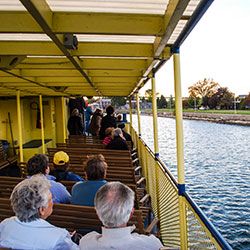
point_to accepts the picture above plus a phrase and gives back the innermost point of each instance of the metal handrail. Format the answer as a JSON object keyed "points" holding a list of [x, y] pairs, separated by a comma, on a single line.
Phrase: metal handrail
{"points": [[220, 240]]}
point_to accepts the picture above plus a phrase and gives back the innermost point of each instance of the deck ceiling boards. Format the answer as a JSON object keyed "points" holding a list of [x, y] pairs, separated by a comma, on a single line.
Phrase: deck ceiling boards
{"points": [[119, 43]]}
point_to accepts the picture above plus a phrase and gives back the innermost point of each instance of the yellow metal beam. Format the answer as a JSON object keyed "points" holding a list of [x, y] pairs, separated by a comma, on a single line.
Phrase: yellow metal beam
{"points": [[95, 63], [155, 125], [19, 121], [63, 119], [42, 124], [180, 150], [130, 113], [138, 113], [77, 23], [46, 48]]}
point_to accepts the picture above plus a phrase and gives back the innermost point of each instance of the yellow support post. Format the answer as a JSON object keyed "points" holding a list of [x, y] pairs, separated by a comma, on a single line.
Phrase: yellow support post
{"points": [[130, 112], [156, 145], [155, 125], [42, 125], [63, 119], [138, 113], [19, 121], [180, 149]]}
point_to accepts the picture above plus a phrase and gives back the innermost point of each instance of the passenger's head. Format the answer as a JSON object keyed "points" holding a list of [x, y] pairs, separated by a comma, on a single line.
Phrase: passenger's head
{"points": [[117, 132], [110, 110], [31, 199], [108, 132], [119, 117], [98, 111], [61, 160], [95, 168], [114, 204], [38, 164], [75, 112]]}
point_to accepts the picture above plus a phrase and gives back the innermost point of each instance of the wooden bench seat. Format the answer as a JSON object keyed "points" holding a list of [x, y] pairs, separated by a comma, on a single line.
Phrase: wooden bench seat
{"points": [[79, 218]]}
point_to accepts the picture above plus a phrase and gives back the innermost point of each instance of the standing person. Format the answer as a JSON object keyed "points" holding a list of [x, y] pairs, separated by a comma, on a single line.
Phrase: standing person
{"points": [[87, 113], [32, 204], [107, 121], [114, 203], [75, 125], [39, 164], [77, 103], [95, 124]]}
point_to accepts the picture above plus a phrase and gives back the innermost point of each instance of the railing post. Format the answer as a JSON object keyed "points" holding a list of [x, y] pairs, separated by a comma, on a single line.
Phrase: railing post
{"points": [[42, 125], [180, 149], [155, 125], [63, 119], [130, 113], [19, 121], [156, 145], [138, 114]]}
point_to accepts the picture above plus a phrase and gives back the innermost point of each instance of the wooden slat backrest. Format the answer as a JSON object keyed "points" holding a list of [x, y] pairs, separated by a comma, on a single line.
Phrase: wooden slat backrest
{"points": [[7, 184], [89, 151], [88, 140], [74, 217]]}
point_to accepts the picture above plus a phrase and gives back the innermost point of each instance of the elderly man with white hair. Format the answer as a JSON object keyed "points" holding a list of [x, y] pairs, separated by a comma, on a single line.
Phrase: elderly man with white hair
{"points": [[114, 204], [32, 203], [118, 142]]}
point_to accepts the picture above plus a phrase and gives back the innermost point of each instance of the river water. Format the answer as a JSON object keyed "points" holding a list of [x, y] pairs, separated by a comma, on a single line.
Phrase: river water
{"points": [[217, 170]]}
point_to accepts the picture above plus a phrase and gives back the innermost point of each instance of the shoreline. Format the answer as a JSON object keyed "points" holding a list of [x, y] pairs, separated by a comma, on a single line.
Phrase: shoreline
{"points": [[232, 119]]}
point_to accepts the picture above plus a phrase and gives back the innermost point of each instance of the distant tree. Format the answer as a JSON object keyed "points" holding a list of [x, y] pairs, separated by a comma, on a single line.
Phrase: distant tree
{"points": [[162, 102], [202, 89], [223, 98], [194, 102], [149, 95], [246, 101], [118, 101], [226, 100]]}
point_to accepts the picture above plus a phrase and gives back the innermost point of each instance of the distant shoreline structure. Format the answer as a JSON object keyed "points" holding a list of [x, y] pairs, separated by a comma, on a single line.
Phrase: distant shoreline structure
{"points": [[233, 119]]}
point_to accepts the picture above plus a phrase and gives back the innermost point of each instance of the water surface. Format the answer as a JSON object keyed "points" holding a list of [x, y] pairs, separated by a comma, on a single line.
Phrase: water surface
{"points": [[217, 170]]}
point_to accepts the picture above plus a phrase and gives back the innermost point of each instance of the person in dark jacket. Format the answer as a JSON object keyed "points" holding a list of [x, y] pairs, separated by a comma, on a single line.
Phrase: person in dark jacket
{"points": [[75, 124], [95, 124], [119, 142], [126, 135], [107, 121]]}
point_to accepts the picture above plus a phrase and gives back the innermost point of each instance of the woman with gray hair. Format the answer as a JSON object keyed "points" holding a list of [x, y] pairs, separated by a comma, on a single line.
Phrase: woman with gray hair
{"points": [[32, 203], [119, 142], [114, 204]]}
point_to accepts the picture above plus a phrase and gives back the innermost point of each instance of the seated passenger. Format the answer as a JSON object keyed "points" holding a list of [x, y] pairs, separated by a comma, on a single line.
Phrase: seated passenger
{"points": [[114, 204], [109, 136], [61, 165], [39, 164], [119, 142], [32, 203], [83, 193], [126, 135]]}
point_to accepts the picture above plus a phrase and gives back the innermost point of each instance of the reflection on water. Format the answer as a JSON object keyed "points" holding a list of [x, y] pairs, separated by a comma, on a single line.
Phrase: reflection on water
{"points": [[217, 170]]}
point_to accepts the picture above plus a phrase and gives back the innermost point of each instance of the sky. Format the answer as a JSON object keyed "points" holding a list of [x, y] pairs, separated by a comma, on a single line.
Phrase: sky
{"points": [[218, 48]]}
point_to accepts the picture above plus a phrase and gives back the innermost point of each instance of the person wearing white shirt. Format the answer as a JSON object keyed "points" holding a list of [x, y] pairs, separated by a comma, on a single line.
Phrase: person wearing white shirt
{"points": [[114, 204], [32, 203]]}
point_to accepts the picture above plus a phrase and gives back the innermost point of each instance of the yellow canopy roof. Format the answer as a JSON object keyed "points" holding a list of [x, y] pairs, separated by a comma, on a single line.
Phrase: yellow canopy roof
{"points": [[120, 43]]}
